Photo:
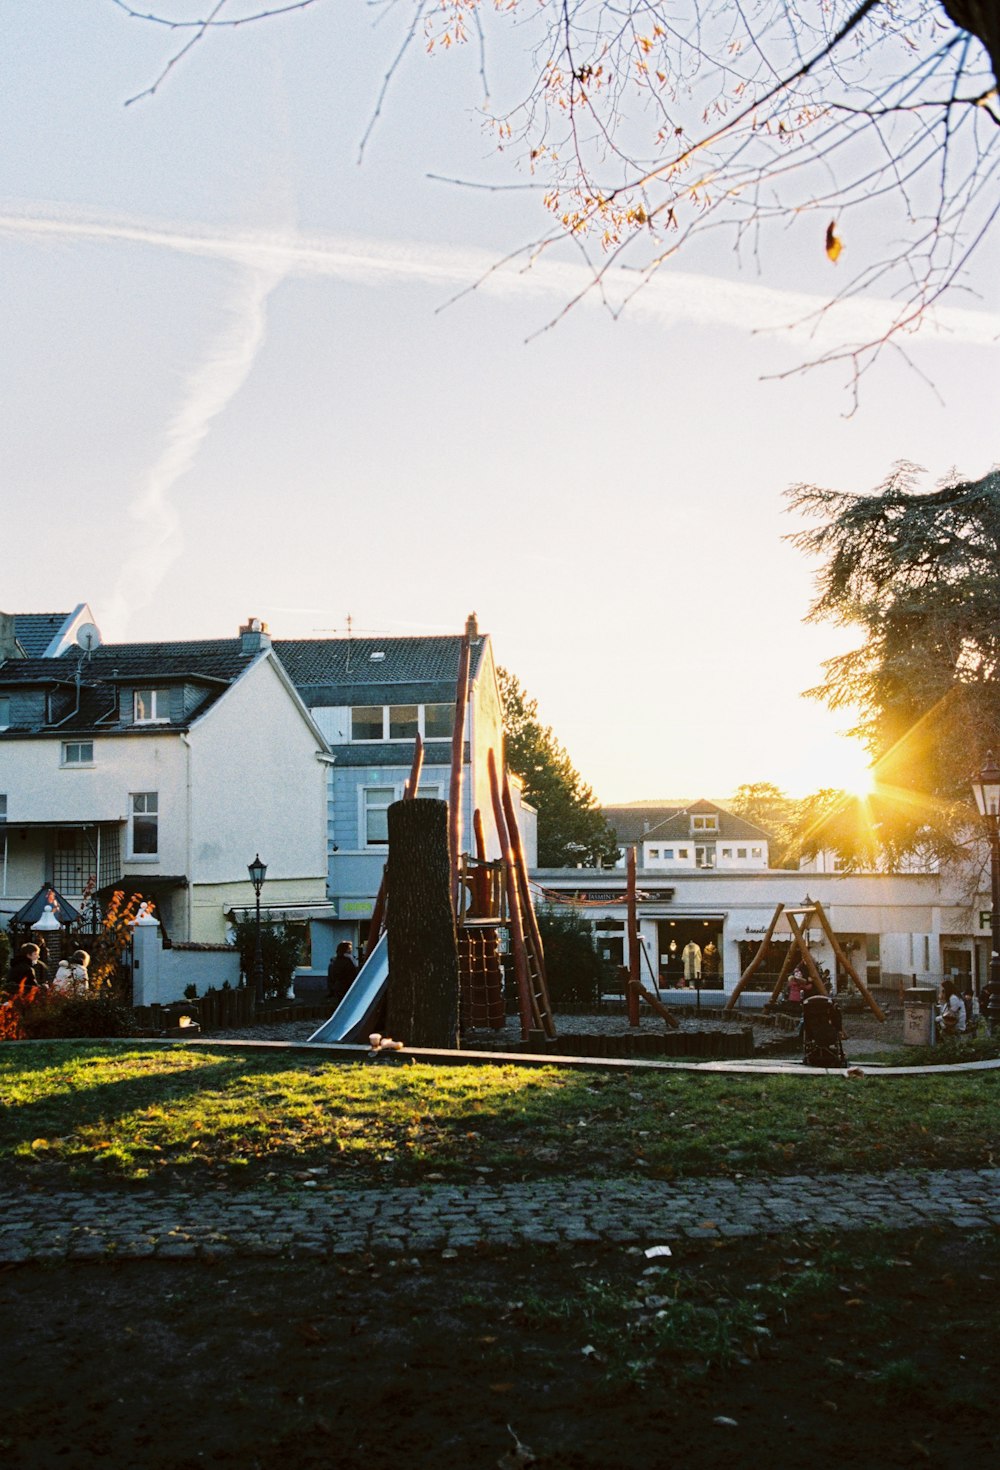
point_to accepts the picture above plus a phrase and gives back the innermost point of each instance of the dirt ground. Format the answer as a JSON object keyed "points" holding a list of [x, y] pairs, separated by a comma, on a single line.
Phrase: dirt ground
{"points": [[868, 1350]]}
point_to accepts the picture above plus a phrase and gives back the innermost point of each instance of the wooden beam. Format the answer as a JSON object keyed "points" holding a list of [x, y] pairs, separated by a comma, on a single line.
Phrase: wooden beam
{"points": [[807, 959], [634, 972], [530, 1019], [866, 994], [757, 961]]}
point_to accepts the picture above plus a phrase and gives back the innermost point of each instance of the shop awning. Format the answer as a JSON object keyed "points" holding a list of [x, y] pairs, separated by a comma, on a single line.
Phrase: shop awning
{"points": [[285, 912]]}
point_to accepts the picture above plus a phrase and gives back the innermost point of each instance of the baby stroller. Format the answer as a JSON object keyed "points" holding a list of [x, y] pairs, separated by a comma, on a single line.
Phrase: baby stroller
{"points": [[822, 1030]]}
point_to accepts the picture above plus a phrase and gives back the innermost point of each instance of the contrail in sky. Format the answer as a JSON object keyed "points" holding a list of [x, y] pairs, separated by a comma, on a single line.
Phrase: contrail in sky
{"points": [[667, 296], [154, 540]]}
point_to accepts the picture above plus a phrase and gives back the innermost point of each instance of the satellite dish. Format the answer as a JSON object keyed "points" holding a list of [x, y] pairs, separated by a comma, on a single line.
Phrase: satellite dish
{"points": [[88, 636]]}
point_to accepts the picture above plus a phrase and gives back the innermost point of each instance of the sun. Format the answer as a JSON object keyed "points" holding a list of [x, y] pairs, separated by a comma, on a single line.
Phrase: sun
{"points": [[853, 771]]}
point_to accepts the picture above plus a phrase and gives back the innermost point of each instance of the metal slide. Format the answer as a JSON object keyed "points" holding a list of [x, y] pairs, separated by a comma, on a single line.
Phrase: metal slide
{"points": [[353, 1018]]}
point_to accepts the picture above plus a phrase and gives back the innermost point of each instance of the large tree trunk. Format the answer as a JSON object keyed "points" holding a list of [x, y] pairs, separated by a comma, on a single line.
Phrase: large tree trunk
{"points": [[423, 949]]}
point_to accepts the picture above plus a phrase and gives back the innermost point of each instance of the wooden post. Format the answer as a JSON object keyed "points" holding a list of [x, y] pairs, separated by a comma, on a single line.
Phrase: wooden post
{"points": [[634, 971], [457, 752], [825, 925], [423, 949], [529, 1019], [528, 914], [481, 885]]}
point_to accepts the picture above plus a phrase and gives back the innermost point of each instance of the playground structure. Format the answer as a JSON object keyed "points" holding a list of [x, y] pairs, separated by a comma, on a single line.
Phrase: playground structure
{"points": [[798, 921], [491, 900]]}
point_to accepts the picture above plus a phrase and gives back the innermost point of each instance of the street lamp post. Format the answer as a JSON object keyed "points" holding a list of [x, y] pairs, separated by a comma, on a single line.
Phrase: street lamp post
{"points": [[258, 872], [986, 790]]}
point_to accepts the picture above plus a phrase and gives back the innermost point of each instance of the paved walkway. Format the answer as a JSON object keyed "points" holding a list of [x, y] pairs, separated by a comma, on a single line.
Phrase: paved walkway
{"points": [[67, 1225]]}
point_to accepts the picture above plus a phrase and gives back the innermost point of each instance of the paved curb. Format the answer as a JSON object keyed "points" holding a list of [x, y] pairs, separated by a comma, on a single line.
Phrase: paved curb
{"points": [[331, 1222], [343, 1051]]}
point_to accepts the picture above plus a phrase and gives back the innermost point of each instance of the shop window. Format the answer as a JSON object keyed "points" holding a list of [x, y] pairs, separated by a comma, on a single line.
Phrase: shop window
{"points": [[78, 753], [144, 824], [151, 706]]}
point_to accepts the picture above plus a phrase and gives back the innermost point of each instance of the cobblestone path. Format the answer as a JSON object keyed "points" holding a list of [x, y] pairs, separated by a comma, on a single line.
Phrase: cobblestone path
{"points": [[42, 1225]]}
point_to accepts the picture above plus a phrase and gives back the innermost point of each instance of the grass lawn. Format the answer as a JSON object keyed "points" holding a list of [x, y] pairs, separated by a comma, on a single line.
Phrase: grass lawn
{"points": [[102, 1114]]}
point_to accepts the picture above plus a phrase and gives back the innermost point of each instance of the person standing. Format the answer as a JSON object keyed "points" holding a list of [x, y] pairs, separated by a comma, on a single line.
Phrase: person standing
{"points": [[951, 1013], [341, 972]]}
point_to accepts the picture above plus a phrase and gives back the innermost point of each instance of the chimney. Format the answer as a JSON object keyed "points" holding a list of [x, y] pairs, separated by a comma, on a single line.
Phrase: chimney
{"points": [[8, 638], [471, 628], [254, 637]]}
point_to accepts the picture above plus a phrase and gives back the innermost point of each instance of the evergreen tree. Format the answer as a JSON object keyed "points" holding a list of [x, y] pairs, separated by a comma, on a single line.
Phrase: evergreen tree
{"points": [[572, 831]]}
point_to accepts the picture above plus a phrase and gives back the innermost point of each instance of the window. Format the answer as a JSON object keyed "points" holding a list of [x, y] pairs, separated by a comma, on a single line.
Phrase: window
{"points": [[144, 824], [375, 822], [708, 823], [152, 706], [682, 852], [654, 852], [439, 721], [403, 723], [727, 852], [756, 852], [741, 852], [366, 722], [668, 852], [704, 857], [78, 753], [4, 711], [3, 808]]}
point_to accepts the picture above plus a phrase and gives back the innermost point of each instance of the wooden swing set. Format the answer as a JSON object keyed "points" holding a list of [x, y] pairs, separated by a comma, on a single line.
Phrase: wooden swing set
{"points": [[799, 920]]}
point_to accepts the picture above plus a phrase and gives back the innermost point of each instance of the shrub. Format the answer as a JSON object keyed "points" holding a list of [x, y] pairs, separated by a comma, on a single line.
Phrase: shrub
{"points": [[280, 948], [35, 1013], [575, 972]]}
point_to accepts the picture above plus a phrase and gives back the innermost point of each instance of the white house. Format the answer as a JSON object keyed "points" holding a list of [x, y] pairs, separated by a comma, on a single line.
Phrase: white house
{"points": [[698, 836], [896, 928], [162, 768]]}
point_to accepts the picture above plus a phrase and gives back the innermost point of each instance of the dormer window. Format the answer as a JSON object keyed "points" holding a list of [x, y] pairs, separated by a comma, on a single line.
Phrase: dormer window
{"points": [[152, 706], [706, 822]]}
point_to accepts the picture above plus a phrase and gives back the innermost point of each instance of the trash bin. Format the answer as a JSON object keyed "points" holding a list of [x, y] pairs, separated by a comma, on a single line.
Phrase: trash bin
{"points": [[918, 1016]]}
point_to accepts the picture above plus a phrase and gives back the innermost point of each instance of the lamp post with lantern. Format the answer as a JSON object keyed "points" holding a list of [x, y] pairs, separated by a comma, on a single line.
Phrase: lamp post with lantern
{"points": [[986, 790], [258, 872]]}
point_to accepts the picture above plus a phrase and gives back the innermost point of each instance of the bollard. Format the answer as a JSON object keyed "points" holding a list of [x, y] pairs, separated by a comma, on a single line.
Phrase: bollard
{"points": [[918, 1016]]}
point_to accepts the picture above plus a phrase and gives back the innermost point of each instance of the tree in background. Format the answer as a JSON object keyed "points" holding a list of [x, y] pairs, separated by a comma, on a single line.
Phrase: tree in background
{"points": [[917, 573], [867, 128], [575, 972], [280, 947], [572, 831]]}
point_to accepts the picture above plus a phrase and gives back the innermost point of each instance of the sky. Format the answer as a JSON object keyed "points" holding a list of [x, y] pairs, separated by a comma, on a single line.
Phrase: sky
{"points": [[246, 374]]}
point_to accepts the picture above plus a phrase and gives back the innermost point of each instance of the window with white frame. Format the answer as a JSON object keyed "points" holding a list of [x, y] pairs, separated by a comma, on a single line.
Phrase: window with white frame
{"points": [[402, 721], [151, 706], [4, 711], [654, 852], [727, 852], [367, 722], [705, 823], [756, 852], [78, 753], [668, 852], [144, 818], [439, 721], [375, 804], [682, 852], [741, 852]]}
